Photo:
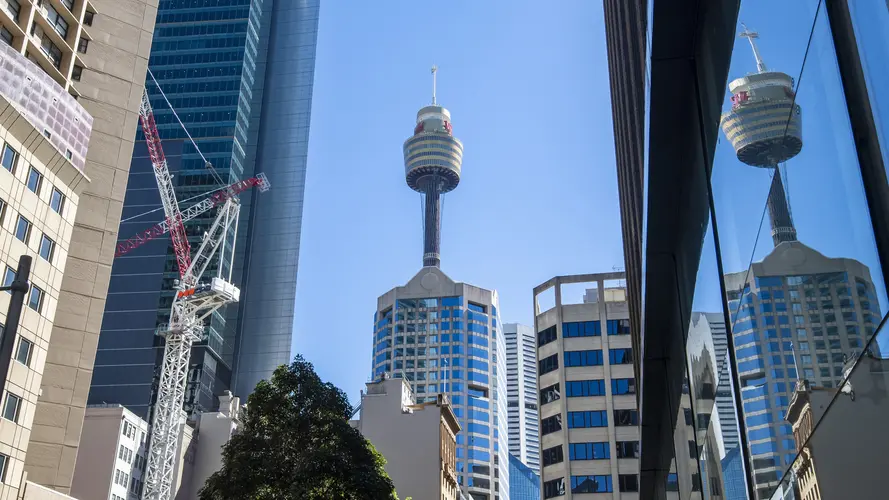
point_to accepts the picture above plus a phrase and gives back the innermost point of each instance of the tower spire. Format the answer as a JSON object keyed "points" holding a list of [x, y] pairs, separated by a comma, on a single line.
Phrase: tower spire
{"points": [[751, 36], [434, 70]]}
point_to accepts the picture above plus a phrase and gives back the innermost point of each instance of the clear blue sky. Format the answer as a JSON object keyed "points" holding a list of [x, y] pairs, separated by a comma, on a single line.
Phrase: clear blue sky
{"points": [[528, 91]]}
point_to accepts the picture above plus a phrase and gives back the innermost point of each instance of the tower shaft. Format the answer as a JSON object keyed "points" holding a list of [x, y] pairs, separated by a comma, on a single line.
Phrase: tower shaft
{"points": [[779, 211], [432, 219]]}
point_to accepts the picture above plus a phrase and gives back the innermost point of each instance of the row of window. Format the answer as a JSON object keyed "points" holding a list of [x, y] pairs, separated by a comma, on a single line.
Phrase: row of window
{"points": [[36, 295], [9, 161], [591, 484], [121, 478], [621, 356], [584, 329]]}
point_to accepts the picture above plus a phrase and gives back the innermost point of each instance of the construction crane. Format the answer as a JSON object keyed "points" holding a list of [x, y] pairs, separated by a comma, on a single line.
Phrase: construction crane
{"points": [[193, 303]]}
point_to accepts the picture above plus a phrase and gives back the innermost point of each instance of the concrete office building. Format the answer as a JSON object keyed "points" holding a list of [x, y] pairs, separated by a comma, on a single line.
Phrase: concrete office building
{"points": [[418, 440], [443, 336], [239, 74], [114, 453], [857, 419], [44, 133], [521, 394], [212, 431], [96, 51], [588, 418]]}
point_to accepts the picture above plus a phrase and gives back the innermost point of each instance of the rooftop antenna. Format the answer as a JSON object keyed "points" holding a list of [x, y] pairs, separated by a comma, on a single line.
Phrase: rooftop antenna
{"points": [[434, 70], [750, 36]]}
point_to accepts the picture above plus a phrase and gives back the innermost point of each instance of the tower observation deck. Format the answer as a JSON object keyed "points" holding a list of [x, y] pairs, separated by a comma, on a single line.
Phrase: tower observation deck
{"points": [[764, 126], [432, 161]]}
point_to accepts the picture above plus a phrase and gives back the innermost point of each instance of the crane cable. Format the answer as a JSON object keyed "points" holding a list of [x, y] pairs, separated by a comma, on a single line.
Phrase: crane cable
{"points": [[207, 164]]}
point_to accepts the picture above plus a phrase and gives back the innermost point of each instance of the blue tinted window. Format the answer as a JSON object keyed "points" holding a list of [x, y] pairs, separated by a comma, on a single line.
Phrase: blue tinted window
{"points": [[480, 455], [763, 448], [746, 339], [477, 328], [583, 358], [445, 325], [753, 364], [473, 401], [478, 377], [474, 339], [451, 301], [478, 428], [754, 421], [591, 484], [478, 365], [584, 419], [618, 326], [581, 329], [749, 351], [764, 281], [754, 392], [445, 313], [476, 308], [764, 433], [581, 388], [753, 406], [589, 451], [620, 356], [623, 386]]}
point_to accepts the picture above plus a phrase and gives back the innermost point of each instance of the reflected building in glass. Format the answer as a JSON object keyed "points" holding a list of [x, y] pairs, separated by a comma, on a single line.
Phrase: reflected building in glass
{"points": [[524, 483], [797, 314], [589, 429], [521, 394], [223, 64], [444, 336]]}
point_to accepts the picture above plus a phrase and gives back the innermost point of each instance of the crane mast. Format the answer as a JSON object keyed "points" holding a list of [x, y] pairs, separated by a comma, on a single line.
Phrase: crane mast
{"points": [[192, 303]]}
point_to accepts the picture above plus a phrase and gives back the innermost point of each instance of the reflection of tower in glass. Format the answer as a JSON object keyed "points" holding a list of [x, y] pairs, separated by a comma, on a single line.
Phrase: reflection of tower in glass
{"points": [[765, 128], [432, 160]]}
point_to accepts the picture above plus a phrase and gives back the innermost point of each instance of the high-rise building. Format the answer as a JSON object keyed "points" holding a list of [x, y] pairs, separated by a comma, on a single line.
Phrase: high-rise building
{"points": [[725, 406], [444, 336], [44, 133], [524, 483], [521, 394], [797, 314], [222, 65], [588, 418], [96, 52]]}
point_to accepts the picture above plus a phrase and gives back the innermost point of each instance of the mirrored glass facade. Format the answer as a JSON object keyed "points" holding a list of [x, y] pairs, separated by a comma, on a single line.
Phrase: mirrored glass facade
{"points": [[221, 63], [763, 252]]}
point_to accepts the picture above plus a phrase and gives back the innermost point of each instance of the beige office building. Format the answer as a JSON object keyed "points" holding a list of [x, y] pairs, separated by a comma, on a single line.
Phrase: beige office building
{"points": [[418, 440], [43, 137], [589, 440], [97, 51]]}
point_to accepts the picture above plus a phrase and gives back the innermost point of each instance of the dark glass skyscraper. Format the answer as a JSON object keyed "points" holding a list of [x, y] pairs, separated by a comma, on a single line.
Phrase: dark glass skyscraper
{"points": [[223, 64]]}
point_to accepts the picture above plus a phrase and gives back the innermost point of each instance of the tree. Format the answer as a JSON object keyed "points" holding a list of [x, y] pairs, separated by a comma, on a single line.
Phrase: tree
{"points": [[295, 442]]}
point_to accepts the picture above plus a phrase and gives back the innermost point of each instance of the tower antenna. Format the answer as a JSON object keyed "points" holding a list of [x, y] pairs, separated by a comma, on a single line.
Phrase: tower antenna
{"points": [[434, 70], [750, 36]]}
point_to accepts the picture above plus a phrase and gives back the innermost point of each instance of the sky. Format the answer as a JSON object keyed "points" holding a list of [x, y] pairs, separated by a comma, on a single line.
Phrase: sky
{"points": [[529, 96], [528, 92]]}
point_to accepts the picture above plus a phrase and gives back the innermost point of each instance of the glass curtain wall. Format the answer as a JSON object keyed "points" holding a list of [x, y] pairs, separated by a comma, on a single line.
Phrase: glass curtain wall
{"points": [[786, 390]]}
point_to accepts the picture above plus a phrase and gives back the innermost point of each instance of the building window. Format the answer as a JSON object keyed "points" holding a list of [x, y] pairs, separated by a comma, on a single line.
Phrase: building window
{"points": [[5, 35], [591, 484], [583, 358], [623, 386], [88, 18], [47, 247], [8, 160], [69, 4], [23, 229], [673, 482], [76, 73], [628, 449], [626, 417], [584, 388], [58, 23], [34, 180], [581, 329], [618, 327], [82, 45], [554, 488], [549, 364], [8, 278], [24, 351], [551, 424], [628, 482], [586, 419], [57, 200], [11, 407], [4, 463], [550, 394], [35, 299], [620, 356], [589, 451], [553, 455], [14, 8], [546, 336]]}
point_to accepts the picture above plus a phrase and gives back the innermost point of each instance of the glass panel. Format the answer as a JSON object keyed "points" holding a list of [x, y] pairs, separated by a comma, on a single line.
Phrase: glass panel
{"points": [[803, 283], [870, 21]]}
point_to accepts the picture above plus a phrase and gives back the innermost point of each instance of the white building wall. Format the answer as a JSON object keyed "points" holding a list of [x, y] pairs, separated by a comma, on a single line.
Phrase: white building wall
{"points": [[521, 394]]}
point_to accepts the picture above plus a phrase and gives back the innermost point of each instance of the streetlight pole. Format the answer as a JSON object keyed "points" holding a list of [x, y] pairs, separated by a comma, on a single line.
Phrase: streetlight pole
{"points": [[19, 289]]}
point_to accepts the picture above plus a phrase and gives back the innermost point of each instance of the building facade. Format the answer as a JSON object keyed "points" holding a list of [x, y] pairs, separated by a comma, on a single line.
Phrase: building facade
{"points": [[524, 483], [417, 439], [588, 419], [41, 126], [444, 337], [96, 52], [220, 64], [797, 315], [521, 394], [113, 455]]}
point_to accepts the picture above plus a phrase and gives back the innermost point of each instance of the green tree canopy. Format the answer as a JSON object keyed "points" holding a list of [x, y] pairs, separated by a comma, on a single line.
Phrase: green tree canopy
{"points": [[295, 442]]}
